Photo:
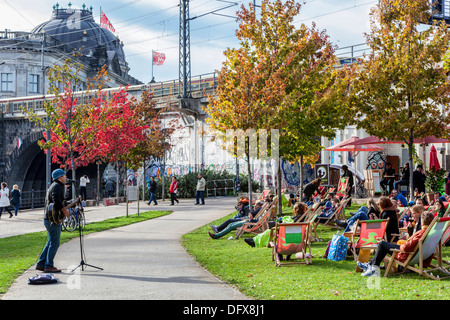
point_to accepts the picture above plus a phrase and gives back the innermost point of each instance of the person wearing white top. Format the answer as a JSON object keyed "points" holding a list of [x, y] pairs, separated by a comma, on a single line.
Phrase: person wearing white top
{"points": [[83, 181], [4, 199]]}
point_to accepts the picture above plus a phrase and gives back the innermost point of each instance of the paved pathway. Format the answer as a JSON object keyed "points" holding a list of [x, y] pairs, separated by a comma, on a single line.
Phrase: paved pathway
{"points": [[142, 261]]}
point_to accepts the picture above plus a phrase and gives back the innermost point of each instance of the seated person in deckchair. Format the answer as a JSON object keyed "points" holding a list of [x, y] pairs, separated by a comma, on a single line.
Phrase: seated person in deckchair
{"points": [[244, 214], [230, 226], [384, 247], [438, 208], [328, 212], [262, 239]]}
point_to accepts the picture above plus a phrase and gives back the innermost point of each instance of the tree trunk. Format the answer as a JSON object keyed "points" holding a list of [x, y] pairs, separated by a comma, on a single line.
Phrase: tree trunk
{"points": [[279, 181], [247, 151], [411, 171], [300, 198], [74, 176]]}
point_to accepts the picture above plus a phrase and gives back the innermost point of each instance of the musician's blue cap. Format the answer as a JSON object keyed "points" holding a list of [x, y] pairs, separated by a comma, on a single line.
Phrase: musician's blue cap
{"points": [[58, 173]]}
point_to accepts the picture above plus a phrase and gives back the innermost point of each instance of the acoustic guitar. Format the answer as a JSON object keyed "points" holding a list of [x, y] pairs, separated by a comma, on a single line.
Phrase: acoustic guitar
{"points": [[57, 216]]}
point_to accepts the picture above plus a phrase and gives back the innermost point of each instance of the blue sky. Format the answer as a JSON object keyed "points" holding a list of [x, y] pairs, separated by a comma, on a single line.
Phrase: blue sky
{"points": [[146, 25]]}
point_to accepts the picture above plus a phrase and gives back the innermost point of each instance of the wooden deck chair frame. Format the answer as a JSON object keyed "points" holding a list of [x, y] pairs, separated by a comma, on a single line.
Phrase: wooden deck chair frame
{"points": [[330, 190], [264, 195], [296, 246], [429, 244], [261, 225], [338, 214], [308, 211], [356, 235], [310, 214]]}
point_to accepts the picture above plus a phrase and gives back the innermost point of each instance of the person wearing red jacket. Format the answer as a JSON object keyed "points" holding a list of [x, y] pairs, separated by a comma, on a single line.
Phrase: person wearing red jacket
{"points": [[173, 191], [383, 248]]}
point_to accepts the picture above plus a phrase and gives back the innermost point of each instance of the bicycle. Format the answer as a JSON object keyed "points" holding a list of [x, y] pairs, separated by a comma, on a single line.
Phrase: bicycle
{"points": [[361, 191], [76, 218]]}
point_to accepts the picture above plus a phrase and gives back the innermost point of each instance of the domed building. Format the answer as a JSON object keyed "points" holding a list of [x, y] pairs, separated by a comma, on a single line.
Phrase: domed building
{"points": [[25, 57], [25, 60], [78, 30]]}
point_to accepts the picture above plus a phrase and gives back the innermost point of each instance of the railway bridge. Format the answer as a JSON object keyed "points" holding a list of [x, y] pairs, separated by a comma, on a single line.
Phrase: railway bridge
{"points": [[23, 162]]}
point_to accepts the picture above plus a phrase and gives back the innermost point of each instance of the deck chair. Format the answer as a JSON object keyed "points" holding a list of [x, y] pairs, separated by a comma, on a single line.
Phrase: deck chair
{"points": [[338, 214], [264, 195], [261, 225], [308, 212], [429, 244], [342, 188], [321, 194], [289, 239], [369, 233]]}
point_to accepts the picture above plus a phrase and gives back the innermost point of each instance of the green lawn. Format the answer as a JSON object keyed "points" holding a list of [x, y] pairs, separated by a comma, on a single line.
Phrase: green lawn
{"points": [[19, 253], [252, 271]]}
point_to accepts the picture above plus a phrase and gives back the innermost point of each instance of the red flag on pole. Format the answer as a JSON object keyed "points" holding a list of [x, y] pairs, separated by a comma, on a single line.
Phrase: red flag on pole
{"points": [[104, 22], [158, 58]]}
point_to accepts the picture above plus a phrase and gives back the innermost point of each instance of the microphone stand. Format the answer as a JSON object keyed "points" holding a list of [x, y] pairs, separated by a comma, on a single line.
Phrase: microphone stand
{"points": [[82, 262]]}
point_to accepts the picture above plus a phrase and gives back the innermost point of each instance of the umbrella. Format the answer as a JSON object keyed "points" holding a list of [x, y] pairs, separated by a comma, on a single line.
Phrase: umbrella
{"points": [[434, 162], [376, 140], [353, 144], [422, 141]]}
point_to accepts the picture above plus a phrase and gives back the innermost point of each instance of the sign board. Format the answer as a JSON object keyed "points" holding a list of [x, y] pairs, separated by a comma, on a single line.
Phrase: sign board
{"points": [[376, 180], [133, 192], [322, 171]]}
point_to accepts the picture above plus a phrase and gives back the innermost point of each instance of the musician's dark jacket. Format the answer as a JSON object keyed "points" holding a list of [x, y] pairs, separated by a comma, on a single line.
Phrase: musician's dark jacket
{"points": [[55, 195]]}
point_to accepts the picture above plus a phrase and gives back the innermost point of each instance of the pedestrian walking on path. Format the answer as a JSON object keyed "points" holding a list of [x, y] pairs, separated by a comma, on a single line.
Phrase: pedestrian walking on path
{"points": [[15, 198], [201, 186], [151, 184], [4, 199], [173, 191]]}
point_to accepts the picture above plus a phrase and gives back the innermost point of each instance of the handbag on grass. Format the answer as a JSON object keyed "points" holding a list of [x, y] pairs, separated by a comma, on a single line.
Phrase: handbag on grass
{"points": [[338, 248]]}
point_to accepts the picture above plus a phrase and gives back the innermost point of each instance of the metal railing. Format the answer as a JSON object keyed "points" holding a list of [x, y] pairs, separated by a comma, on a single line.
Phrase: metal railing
{"points": [[32, 199], [220, 187]]}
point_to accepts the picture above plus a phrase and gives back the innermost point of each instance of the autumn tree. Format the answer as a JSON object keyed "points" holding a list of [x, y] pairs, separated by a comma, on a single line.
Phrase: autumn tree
{"points": [[67, 117], [119, 127], [401, 90], [280, 78], [161, 123]]}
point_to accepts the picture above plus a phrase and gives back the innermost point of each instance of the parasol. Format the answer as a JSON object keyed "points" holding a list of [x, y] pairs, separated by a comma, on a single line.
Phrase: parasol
{"points": [[434, 162]]}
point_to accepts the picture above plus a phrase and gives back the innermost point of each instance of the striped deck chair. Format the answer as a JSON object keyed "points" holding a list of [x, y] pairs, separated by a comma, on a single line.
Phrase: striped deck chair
{"points": [[429, 244], [342, 188], [261, 225], [370, 232], [289, 239]]}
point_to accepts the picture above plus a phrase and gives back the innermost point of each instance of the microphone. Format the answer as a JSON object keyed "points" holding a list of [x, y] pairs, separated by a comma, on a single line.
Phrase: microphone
{"points": [[70, 181]]}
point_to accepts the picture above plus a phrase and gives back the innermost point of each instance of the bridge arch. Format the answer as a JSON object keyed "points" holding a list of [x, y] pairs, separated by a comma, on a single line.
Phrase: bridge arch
{"points": [[26, 164]]}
